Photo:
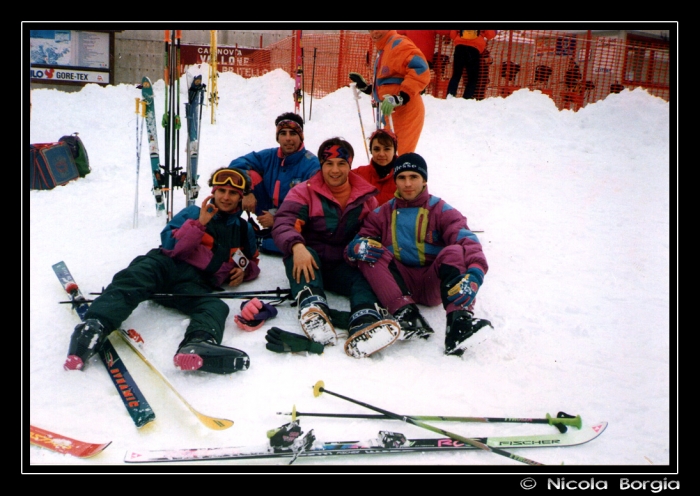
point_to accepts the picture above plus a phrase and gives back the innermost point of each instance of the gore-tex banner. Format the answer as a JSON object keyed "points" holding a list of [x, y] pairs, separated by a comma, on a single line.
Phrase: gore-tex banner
{"points": [[246, 62]]}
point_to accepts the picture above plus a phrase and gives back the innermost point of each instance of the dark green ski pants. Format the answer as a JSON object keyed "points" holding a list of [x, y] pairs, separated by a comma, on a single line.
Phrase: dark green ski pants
{"points": [[158, 273], [338, 277]]}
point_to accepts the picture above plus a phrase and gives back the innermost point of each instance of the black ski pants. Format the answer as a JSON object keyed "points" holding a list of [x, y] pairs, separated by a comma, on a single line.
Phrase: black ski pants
{"points": [[465, 57]]}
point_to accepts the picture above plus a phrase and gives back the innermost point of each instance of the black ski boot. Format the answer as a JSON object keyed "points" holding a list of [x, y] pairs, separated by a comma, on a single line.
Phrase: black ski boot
{"points": [[412, 323], [199, 351], [462, 332], [86, 340], [371, 330]]}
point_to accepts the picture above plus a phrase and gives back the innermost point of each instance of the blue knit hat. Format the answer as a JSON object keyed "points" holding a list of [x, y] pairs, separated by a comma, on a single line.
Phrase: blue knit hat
{"points": [[411, 162]]}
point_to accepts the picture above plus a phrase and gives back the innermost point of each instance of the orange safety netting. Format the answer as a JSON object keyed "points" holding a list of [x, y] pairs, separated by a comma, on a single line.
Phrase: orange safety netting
{"points": [[572, 69]]}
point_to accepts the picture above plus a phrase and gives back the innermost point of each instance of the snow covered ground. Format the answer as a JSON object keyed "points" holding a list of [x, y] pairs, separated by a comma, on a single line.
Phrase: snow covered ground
{"points": [[575, 213]]}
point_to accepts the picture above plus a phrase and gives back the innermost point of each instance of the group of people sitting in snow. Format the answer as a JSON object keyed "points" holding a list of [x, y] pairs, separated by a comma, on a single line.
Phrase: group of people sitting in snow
{"points": [[373, 233]]}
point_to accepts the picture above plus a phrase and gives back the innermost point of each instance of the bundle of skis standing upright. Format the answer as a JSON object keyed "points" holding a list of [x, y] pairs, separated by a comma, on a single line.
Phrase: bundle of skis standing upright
{"points": [[171, 116], [170, 174], [193, 113]]}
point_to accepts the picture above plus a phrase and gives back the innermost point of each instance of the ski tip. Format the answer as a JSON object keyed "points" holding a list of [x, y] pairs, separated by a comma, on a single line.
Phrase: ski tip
{"points": [[599, 427]]}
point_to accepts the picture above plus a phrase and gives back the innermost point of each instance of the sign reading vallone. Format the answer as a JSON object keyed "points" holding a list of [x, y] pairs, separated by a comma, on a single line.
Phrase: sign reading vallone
{"points": [[246, 62]]}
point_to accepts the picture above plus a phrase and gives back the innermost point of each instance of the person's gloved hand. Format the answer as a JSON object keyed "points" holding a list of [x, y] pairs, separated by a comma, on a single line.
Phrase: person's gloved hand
{"points": [[360, 82], [253, 315], [365, 249], [281, 341], [463, 288], [390, 102]]}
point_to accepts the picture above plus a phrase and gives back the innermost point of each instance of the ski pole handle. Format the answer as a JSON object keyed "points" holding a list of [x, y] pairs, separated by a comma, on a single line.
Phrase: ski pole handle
{"points": [[565, 419]]}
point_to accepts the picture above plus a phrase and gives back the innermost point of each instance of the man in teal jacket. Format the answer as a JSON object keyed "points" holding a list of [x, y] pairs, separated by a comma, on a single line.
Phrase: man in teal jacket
{"points": [[274, 172]]}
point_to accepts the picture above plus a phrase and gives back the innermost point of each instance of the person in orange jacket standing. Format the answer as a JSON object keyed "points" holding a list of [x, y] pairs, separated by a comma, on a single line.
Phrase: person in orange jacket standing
{"points": [[424, 39], [401, 72], [469, 45]]}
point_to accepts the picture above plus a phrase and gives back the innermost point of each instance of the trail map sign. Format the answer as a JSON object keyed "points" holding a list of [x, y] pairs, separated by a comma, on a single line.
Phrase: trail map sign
{"points": [[70, 56]]}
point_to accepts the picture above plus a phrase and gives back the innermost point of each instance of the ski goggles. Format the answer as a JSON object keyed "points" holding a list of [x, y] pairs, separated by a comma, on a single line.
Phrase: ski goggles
{"points": [[230, 177]]}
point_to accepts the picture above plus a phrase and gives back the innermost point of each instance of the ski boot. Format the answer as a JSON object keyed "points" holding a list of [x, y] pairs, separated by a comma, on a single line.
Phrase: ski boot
{"points": [[313, 317], [86, 340], [462, 332], [199, 351], [412, 323], [371, 330]]}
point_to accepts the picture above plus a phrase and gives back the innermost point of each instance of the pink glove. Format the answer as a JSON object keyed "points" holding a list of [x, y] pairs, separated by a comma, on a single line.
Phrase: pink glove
{"points": [[253, 315]]}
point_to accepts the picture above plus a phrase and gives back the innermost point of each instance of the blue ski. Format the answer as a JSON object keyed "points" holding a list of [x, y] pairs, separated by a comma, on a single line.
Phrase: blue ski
{"points": [[158, 179], [193, 113], [134, 401]]}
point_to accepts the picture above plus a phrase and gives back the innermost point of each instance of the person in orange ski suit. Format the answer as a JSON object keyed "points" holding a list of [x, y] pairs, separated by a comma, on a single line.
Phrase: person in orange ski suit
{"points": [[401, 73]]}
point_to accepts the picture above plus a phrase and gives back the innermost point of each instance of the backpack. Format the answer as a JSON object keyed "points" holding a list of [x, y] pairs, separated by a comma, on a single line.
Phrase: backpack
{"points": [[79, 153], [51, 165]]}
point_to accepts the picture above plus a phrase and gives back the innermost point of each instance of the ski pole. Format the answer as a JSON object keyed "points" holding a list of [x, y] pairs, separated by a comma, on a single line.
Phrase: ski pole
{"points": [[319, 388], [560, 421], [245, 296], [313, 75], [278, 293], [140, 112], [303, 87], [359, 114], [217, 295]]}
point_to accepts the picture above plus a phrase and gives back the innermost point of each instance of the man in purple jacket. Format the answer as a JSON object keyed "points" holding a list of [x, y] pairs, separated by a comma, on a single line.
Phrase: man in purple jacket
{"points": [[202, 248], [312, 227], [418, 249]]}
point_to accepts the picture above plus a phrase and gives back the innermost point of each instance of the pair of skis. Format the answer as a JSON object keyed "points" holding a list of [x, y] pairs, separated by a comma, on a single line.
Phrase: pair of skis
{"points": [[386, 443], [136, 404], [298, 90], [163, 175], [193, 113]]}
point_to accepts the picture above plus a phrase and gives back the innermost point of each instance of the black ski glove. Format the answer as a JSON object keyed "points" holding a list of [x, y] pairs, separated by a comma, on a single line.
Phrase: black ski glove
{"points": [[281, 341], [360, 83]]}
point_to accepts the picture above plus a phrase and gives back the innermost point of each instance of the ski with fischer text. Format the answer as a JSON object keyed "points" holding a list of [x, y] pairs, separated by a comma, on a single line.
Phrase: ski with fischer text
{"points": [[386, 443]]}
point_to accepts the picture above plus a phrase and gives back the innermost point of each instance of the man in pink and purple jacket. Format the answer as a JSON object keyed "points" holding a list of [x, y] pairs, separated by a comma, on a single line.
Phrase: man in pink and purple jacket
{"points": [[416, 248]]}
